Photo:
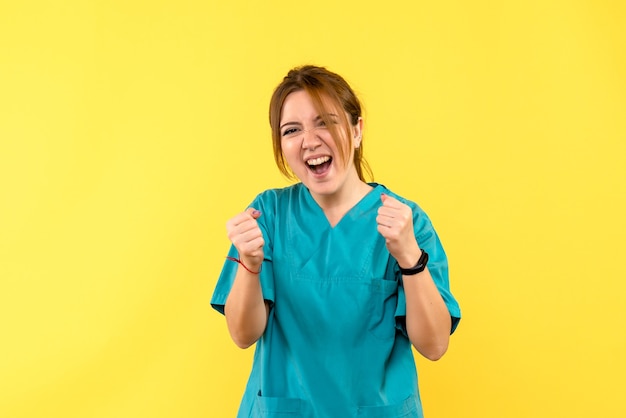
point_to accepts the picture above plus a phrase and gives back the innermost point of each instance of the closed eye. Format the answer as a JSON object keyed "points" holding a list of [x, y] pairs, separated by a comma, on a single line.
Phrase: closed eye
{"points": [[290, 131], [332, 118]]}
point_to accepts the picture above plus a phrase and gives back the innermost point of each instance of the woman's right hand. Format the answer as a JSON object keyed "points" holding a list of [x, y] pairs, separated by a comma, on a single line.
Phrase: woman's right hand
{"points": [[245, 234]]}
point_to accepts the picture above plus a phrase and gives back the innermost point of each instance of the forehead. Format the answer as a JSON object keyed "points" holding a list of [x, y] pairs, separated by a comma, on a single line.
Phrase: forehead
{"points": [[301, 105]]}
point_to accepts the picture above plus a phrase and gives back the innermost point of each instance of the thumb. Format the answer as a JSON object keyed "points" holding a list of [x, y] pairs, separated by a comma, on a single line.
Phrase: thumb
{"points": [[389, 201], [254, 212]]}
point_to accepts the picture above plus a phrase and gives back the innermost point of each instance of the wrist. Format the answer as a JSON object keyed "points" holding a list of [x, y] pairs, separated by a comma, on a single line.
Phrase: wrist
{"points": [[252, 267], [416, 268], [410, 258], [408, 262]]}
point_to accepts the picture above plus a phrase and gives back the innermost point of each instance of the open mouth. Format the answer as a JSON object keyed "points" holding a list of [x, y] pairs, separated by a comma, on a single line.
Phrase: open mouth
{"points": [[319, 165]]}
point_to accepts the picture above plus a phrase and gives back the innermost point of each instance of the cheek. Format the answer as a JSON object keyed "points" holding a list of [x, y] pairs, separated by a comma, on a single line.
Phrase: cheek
{"points": [[287, 147], [290, 150], [344, 154]]}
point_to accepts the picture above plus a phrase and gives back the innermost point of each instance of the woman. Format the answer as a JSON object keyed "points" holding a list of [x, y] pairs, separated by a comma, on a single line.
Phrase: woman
{"points": [[334, 278]]}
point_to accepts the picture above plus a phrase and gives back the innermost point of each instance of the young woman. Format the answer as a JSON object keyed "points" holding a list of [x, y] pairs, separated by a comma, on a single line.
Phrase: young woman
{"points": [[333, 278]]}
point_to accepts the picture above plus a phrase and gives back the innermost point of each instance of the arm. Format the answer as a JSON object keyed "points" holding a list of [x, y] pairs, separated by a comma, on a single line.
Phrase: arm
{"points": [[427, 318], [428, 321], [245, 310]]}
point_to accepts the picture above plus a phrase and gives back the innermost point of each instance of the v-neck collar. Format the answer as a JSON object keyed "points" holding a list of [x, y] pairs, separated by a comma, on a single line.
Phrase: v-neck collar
{"points": [[363, 205]]}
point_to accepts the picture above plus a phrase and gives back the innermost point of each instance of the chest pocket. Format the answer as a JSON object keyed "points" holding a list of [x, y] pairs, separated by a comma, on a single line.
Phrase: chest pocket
{"points": [[383, 303]]}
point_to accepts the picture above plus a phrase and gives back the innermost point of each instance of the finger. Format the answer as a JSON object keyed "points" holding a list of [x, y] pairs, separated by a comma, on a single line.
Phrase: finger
{"points": [[241, 234], [252, 248], [383, 230], [387, 211], [389, 215], [245, 231], [390, 201], [385, 220], [238, 219], [248, 214], [242, 221], [237, 230], [397, 210], [387, 233], [249, 235], [248, 244], [253, 212]]}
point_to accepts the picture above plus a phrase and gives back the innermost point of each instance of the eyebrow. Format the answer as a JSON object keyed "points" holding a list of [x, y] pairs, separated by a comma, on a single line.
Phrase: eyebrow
{"points": [[317, 118], [289, 123]]}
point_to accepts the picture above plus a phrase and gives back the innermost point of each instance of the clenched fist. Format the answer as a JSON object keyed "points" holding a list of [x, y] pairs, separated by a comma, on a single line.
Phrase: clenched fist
{"points": [[245, 234], [395, 224]]}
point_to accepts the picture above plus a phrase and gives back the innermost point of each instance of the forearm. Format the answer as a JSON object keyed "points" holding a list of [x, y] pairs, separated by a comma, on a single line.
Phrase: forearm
{"points": [[246, 311], [428, 320]]}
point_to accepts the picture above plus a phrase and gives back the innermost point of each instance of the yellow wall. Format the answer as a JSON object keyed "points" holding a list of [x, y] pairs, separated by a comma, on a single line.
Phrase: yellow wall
{"points": [[131, 130]]}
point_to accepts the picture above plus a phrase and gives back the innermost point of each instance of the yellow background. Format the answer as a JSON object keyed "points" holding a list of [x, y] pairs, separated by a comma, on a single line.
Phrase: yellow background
{"points": [[130, 131]]}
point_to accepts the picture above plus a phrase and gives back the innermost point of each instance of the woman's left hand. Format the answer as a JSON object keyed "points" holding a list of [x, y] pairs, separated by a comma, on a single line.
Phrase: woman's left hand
{"points": [[395, 224]]}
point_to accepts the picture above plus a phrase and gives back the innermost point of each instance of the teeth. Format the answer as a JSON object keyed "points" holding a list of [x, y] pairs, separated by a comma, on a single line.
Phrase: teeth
{"points": [[318, 161]]}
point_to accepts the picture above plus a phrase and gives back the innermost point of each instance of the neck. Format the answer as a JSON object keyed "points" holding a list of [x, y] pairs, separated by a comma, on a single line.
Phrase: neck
{"points": [[335, 206]]}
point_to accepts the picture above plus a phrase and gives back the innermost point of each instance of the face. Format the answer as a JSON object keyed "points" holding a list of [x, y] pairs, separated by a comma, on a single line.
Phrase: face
{"points": [[310, 150]]}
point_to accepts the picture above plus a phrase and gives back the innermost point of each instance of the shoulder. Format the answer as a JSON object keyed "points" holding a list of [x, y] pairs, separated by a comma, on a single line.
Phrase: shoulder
{"points": [[278, 201], [274, 197], [274, 205]]}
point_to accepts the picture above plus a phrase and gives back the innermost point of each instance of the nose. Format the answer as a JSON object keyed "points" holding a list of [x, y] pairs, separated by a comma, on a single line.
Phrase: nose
{"points": [[310, 138]]}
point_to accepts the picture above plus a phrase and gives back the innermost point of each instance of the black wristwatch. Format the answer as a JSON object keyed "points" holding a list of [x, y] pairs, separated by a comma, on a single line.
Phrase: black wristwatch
{"points": [[418, 268]]}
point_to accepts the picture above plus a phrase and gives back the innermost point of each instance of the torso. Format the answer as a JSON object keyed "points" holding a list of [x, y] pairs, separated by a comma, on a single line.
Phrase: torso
{"points": [[331, 347]]}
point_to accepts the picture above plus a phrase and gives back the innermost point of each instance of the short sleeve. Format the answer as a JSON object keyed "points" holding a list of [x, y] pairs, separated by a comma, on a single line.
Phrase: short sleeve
{"points": [[229, 269], [428, 240]]}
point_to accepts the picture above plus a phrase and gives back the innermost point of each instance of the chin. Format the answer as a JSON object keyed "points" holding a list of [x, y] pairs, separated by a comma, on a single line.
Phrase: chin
{"points": [[322, 189]]}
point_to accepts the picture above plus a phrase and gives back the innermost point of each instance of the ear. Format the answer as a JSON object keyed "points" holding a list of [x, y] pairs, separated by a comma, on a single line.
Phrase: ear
{"points": [[358, 133]]}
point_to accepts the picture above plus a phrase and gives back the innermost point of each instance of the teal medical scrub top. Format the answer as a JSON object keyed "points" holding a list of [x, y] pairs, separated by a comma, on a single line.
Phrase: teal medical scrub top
{"points": [[335, 343]]}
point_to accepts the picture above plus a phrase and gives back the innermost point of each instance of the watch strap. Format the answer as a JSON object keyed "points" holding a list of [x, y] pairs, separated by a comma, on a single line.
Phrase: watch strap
{"points": [[418, 268]]}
